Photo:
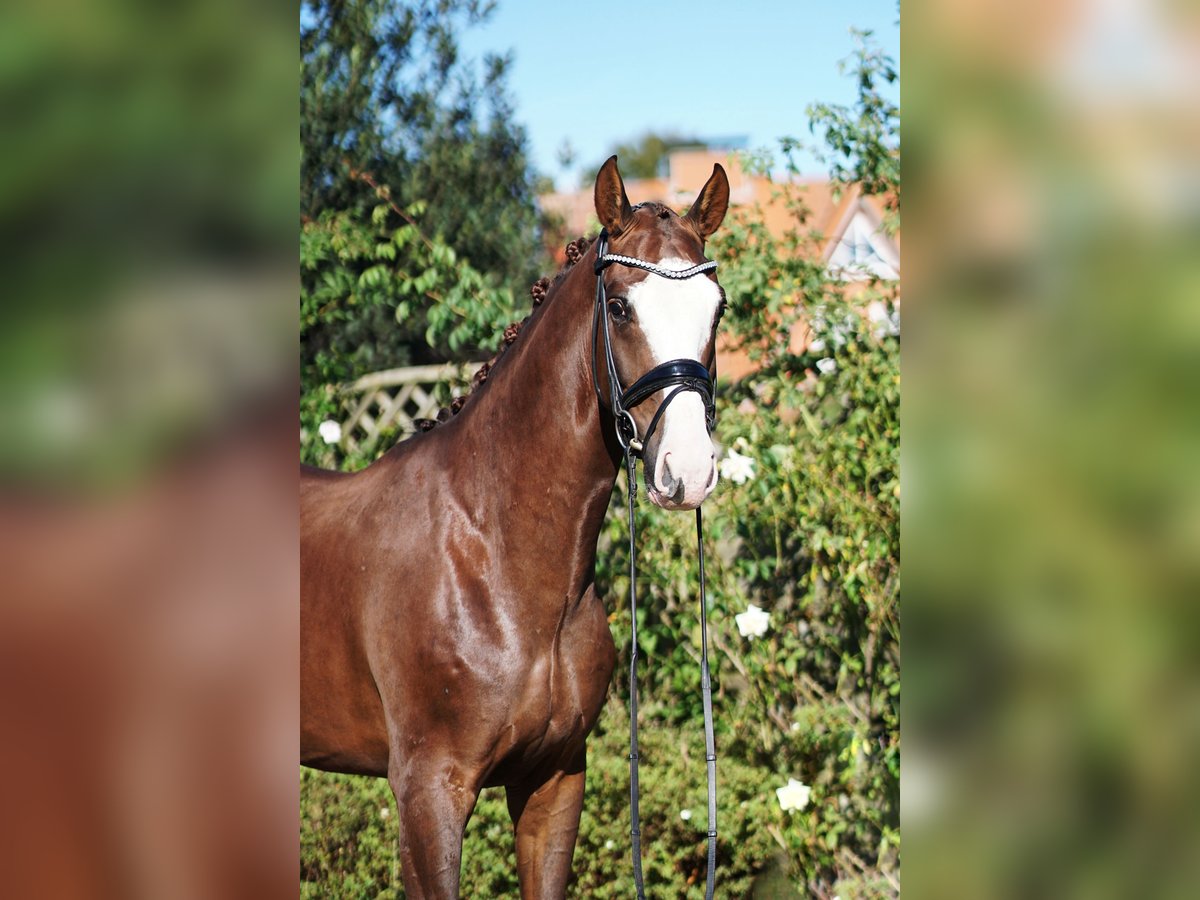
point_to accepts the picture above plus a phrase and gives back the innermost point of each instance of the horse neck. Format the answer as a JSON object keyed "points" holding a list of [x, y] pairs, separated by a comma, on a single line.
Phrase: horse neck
{"points": [[534, 437]]}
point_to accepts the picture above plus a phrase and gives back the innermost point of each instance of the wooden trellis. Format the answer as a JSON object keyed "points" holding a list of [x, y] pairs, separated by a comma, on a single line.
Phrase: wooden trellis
{"points": [[392, 400]]}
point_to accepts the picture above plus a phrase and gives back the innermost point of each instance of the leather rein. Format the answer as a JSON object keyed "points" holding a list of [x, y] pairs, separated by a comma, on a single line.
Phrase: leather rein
{"points": [[675, 376]]}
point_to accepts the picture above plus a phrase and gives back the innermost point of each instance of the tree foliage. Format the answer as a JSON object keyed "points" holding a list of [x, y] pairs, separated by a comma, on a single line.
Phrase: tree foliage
{"points": [[863, 140], [415, 186], [644, 156]]}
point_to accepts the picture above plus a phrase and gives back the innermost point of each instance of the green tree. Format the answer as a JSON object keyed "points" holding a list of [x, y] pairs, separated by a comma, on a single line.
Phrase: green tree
{"points": [[415, 184], [862, 141], [643, 156]]}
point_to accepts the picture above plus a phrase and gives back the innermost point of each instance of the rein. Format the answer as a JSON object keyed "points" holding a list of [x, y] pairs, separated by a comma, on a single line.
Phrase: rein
{"points": [[682, 375]]}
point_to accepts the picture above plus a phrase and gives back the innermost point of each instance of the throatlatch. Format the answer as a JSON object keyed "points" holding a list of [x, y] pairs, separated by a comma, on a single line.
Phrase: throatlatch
{"points": [[682, 375]]}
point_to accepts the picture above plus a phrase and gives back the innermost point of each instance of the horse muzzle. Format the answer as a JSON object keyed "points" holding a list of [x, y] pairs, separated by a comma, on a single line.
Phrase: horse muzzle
{"points": [[677, 494], [684, 471]]}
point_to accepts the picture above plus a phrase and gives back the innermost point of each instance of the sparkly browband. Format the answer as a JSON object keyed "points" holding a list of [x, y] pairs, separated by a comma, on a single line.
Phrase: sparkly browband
{"points": [[610, 258]]}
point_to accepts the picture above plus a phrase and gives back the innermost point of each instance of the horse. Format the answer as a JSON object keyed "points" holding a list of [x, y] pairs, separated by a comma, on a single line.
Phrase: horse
{"points": [[452, 637]]}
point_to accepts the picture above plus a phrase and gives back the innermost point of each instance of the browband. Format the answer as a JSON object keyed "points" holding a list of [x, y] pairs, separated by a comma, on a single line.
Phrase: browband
{"points": [[603, 262]]}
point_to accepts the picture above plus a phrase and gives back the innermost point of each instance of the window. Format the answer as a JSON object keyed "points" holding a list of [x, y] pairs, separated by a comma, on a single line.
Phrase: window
{"points": [[862, 251]]}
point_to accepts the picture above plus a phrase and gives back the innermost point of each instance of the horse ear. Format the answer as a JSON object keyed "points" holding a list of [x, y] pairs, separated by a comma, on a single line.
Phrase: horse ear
{"points": [[708, 212], [612, 206]]}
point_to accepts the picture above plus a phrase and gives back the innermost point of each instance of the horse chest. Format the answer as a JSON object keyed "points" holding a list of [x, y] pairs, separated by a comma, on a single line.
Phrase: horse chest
{"points": [[553, 704]]}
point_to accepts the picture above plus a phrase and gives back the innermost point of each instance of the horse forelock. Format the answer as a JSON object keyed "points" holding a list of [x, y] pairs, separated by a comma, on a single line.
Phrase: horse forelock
{"points": [[657, 232]]}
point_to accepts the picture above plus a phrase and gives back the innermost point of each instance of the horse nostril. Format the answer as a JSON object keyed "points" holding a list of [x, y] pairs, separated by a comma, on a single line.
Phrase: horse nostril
{"points": [[671, 487], [668, 475]]}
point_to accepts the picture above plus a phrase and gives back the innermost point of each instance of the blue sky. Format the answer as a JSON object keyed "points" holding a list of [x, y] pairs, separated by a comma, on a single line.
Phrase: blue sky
{"points": [[597, 73]]}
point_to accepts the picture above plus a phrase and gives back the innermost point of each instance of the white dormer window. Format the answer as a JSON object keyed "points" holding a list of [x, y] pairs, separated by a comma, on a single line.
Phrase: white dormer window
{"points": [[863, 251]]}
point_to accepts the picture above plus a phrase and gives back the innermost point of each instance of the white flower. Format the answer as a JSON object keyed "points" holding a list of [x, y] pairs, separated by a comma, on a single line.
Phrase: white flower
{"points": [[610, 844], [736, 467], [793, 795], [753, 622], [330, 431], [384, 812], [826, 365], [685, 814]]}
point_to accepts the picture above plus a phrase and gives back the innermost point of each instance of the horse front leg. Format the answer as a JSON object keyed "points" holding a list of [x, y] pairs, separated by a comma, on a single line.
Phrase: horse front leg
{"points": [[434, 803], [545, 814]]}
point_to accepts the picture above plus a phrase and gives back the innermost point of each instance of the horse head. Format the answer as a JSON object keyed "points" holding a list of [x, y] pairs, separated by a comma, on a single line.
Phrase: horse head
{"points": [[652, 318]]}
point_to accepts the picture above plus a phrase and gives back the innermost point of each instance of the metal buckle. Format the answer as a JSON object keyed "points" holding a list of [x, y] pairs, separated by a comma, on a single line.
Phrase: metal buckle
{"points": [[627, 432]]}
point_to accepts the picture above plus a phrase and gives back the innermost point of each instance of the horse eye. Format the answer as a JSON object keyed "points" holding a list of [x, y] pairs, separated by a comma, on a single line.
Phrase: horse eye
{"points": [[618, 310]]}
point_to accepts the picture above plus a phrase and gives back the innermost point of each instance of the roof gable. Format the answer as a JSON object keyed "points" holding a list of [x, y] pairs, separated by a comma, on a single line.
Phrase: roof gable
{"points": [[859, 248]]}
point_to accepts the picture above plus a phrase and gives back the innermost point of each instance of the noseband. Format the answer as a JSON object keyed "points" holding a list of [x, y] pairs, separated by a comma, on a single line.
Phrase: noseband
{"points": [[682, 375]]}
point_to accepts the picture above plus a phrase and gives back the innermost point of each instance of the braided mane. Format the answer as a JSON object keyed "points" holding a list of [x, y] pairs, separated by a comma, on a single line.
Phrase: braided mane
{"points": [[538, 292]]}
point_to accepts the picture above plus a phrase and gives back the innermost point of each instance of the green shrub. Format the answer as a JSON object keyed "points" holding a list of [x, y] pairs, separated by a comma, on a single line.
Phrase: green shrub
{"points": [[812, 540], [675, 848], [348, 842], [350, 849]]}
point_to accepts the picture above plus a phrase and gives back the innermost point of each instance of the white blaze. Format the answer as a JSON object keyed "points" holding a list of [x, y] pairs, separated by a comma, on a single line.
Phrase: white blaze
{"points": [[676, 317]]}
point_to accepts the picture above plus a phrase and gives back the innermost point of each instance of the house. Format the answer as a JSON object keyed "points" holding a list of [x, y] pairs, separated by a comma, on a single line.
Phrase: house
{"points": [[846, 231]]}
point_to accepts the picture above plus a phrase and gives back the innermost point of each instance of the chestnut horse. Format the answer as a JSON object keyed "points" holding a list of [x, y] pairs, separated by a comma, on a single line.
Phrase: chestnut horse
{"points": [[451, 634]]}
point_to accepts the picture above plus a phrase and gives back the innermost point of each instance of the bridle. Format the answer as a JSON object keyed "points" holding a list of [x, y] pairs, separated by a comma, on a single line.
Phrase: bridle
{"points": [[681, 375]]}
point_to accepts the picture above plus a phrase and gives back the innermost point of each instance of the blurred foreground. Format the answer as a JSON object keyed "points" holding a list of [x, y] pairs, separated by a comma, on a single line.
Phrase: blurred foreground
{"points": [[1051, 489], [148, 627]]}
